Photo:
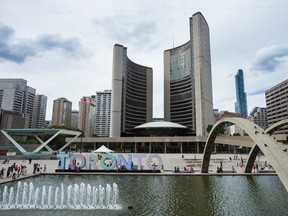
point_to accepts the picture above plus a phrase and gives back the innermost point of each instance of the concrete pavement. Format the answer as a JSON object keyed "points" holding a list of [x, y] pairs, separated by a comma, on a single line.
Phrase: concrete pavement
{"points": [[169, 161]]}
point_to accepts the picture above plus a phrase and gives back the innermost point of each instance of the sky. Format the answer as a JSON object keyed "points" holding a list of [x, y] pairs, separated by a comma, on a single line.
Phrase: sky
{"points": [[64, 48]]}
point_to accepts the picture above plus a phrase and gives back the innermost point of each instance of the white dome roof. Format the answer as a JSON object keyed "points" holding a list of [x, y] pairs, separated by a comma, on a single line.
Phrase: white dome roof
{"points": [[160, 124]]}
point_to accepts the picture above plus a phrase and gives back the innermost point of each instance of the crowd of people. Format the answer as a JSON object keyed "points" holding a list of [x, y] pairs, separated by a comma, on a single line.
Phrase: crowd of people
{"points": [[264, 167], [37, 168], [16, 170]]}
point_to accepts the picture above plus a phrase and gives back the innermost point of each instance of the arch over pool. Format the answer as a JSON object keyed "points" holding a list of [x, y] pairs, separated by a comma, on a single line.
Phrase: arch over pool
{"points": [[255, 149], [270, 147]]}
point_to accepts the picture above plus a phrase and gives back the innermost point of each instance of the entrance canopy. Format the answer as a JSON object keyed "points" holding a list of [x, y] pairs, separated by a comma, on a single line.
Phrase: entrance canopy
{"points": [[103, 149]]}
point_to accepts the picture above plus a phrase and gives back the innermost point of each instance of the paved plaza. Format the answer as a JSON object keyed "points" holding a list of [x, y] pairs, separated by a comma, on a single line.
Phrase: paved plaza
{"points": [[170, 161]]}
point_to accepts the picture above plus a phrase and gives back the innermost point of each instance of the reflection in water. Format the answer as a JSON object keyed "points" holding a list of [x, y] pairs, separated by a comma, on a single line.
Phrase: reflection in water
{"points": [[177, 195]]}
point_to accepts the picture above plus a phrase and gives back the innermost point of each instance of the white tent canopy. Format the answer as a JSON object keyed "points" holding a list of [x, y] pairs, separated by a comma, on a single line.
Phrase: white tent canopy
{"points": [[103, 149]]}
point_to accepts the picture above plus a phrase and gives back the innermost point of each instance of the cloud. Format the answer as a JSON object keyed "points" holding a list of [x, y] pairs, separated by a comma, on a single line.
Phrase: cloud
{"points": [[6, 32], [70, 46], [122, 30], [18, 51], [268, 59], [260, 91]]}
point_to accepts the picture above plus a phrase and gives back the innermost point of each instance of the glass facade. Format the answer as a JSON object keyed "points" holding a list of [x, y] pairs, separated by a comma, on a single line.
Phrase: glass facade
{"points": [[241, 99], [180, 62]]}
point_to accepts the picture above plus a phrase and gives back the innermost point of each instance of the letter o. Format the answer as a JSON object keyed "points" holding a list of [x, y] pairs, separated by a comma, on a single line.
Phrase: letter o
{"points": [[108, 156], [149, 159]]}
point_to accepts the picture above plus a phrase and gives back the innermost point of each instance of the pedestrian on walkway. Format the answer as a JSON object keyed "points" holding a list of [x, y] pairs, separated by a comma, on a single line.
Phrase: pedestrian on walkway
{"points": [[34, 168], [2, 173]]}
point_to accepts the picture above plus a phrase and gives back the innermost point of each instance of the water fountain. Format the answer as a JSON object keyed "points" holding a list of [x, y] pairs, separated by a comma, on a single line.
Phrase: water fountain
{"points": [[75, 196]]}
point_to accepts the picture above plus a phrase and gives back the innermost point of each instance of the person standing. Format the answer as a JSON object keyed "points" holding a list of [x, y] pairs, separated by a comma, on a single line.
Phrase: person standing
{"points": [[24, 170], [34, 168], [2, 173], [18, 171]]}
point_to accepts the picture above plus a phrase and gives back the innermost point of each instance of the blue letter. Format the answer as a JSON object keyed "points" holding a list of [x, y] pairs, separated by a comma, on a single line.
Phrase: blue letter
{"points": [[63, 160], [139, 161]]}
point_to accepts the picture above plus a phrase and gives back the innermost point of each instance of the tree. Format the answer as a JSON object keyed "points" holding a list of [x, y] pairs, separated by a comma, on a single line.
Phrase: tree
{"points": [[209, 128], [221, 130]]}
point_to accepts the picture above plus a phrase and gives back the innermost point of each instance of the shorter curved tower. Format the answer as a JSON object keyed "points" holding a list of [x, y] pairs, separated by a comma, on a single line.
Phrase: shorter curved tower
{"points": [[131, 99]]}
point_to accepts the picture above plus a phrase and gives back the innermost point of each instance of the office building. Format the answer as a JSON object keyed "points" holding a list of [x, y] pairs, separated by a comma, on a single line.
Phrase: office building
{"points": [[188, 82], [74, 119], [39, 111], [87, 108], [241, 99], [103, 110], [132, 89], [16, 96], [259, 116], [11, 119], [277, 105], [61, 114]]}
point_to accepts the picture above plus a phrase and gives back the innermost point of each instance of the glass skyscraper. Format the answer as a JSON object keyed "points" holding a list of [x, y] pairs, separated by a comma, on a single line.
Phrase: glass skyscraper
{"points": [[241, 99]]}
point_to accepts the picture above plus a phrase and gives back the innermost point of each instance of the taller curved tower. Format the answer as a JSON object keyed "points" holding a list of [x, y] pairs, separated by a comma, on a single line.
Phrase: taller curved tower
{"points": [[131, 99], [187, 80]]}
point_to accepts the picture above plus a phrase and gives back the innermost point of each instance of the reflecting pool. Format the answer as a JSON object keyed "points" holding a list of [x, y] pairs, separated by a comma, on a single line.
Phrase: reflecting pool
{"points": [[165, 195]]}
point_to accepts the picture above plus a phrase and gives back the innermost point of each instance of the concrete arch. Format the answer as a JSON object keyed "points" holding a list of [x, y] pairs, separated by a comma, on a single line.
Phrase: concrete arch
{"points": [[270, 148], [255, 150], [270, 130]]}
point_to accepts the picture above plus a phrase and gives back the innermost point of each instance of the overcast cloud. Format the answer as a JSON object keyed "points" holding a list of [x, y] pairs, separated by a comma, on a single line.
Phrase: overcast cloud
{"points": [[134, 31], [64, 48], [19, 50], [268, 59]]}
